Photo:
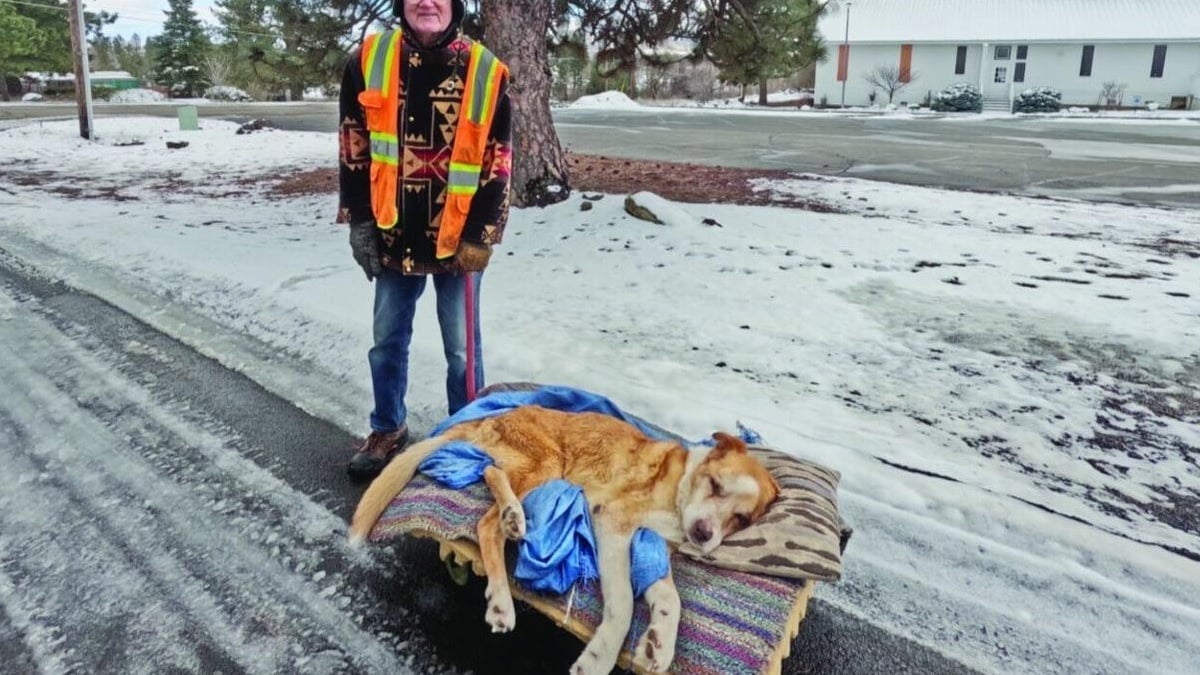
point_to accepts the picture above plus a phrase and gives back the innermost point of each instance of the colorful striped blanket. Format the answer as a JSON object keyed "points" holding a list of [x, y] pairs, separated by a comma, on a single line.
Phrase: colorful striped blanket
{"points": [[731, 622]]}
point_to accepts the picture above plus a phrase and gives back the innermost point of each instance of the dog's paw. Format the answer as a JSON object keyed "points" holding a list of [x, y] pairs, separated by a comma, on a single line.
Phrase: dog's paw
{"points": [[594, 661], [512, 521], [588, 663], [501, 614], [654, 653]]}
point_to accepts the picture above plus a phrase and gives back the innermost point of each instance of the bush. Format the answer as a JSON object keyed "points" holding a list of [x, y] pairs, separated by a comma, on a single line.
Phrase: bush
{"points": [[102, 92], [223, 93], [1040, 100], [958, 97]]}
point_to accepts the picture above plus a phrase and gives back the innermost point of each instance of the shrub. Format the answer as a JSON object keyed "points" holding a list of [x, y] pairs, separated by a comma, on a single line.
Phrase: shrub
{"points": [[102, 92], [958, 97], [1040, 100], [223, 93]]}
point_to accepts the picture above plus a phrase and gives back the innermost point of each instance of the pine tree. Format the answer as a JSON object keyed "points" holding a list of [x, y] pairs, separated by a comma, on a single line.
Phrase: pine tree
{"points": [[18, 37], [181, 51], [288, 45], [769, 39]]}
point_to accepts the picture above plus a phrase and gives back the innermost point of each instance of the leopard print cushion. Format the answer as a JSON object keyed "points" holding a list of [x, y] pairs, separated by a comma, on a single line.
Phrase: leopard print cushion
{"points": [[801, 535]]}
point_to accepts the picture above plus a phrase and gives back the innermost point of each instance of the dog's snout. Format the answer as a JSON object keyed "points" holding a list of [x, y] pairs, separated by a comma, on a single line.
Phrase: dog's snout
{"points": [[701, 532]]}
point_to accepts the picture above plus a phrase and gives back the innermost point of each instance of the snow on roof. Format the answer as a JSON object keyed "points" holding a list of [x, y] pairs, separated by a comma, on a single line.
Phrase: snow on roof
{"points": [[1012, 20]]}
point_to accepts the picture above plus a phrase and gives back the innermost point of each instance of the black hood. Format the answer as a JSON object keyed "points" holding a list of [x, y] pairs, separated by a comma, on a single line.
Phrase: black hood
{"points": [[458, 10]]}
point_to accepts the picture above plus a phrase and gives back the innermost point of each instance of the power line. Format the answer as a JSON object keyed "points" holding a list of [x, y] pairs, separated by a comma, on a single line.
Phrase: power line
{"points": [[141, 18]]}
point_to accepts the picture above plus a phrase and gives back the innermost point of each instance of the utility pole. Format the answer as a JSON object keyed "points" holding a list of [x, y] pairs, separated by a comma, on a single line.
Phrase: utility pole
{"points": [[846, 48], [83, 79]]}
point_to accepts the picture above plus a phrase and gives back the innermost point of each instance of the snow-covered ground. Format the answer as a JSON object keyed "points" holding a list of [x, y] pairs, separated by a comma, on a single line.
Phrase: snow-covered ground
{"points": [[1010, 387]]}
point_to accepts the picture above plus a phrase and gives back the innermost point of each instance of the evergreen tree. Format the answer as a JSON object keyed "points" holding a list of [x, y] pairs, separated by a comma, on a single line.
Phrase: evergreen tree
{"points": [[51, 30], [18, 37], [181, 50], [769, 39], [287, 45]]}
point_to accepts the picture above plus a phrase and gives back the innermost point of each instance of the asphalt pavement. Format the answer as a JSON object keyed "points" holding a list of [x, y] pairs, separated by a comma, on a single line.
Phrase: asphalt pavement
{"points": [[406, 594], [1148, 161]]}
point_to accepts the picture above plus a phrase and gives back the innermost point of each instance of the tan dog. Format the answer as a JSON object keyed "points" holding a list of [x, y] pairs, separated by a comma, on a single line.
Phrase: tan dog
{"points": [[630, 481]]}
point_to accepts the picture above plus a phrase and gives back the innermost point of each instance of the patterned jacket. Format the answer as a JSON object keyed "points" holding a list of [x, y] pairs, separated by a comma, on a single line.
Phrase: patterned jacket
{"points": [[430, 98]]}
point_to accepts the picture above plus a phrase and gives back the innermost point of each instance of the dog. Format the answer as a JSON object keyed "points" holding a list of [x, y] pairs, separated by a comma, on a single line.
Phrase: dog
{"points": [[701, 494]]}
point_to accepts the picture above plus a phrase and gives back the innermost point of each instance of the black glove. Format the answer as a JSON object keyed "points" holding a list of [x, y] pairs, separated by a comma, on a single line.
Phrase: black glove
{"points": [[364, 245]]}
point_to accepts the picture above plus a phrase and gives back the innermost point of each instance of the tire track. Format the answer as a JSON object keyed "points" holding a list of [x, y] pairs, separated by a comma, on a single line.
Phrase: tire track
{"points": [[176, 511]]}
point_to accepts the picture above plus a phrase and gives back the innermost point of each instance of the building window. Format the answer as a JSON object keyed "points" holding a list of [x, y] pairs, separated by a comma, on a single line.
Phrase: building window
{"points": [[1019, 72], [843, 61], [1001, 75], [906, 63], [1003, 52], [960, 61], [1022, 52], [1085, 62], [1160, 60]]}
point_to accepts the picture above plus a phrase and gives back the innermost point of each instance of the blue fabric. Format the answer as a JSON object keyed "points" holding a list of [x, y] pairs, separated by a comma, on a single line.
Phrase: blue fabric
{"points": [[456, 464], [559, 548], [396, 296], [649, 560], [551, 396]]}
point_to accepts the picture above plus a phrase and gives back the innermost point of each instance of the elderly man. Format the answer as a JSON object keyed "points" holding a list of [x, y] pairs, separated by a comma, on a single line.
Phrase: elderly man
{"points": [[425, 157]]}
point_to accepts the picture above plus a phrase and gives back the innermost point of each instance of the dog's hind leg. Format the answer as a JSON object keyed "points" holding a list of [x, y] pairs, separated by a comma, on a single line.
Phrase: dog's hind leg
{"points": [[656, 649], [612, 552], [501, 615], [512, 514]]}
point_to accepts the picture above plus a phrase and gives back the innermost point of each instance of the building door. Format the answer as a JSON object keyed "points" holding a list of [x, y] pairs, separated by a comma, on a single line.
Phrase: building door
{"points": [[999, 73]]}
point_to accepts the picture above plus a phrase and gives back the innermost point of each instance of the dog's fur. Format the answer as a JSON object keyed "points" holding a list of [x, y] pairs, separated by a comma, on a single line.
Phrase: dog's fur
{"points": [[630, 481]]}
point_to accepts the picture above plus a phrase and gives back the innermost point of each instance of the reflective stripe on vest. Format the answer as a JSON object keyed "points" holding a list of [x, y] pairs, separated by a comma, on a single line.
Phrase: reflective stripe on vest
{"points": [[485, 77], [380, 100]]}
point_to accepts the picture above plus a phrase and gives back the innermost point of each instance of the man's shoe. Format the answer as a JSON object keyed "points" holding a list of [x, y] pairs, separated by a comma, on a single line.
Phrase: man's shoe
{"points": [[375, 452]]}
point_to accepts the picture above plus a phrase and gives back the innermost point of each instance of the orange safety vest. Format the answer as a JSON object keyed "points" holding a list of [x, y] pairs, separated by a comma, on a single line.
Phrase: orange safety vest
{"points": [[381, 103]]}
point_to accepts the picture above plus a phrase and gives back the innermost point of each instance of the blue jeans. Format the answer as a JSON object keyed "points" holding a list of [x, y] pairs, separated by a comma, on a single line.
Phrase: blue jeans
{"points": [[396, 298]]}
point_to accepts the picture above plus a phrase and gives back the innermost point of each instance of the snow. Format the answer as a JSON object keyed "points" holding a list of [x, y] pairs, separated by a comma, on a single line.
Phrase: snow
{"points": [[610, 100], [1008, 385], [136, 96]]}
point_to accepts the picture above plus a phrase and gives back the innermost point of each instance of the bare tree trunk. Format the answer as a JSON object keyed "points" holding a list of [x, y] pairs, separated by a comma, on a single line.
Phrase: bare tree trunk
{"points": [[762, 91], [516, 31]]}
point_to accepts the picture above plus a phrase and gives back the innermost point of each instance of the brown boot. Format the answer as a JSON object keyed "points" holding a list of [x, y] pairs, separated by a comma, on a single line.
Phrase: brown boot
{"points": [[376, 451]]}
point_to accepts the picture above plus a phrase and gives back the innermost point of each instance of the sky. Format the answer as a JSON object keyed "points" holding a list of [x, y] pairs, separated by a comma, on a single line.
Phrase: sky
{"points": [[1003, 382], [144, 17]]}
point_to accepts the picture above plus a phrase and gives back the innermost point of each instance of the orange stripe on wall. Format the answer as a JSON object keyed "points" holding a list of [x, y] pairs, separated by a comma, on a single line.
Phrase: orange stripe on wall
{"points": [[905, 63], [843, 61]]}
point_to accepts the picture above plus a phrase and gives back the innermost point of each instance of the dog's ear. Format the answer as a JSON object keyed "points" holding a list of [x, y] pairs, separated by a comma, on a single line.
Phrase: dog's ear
{"points": [[726, 443]]}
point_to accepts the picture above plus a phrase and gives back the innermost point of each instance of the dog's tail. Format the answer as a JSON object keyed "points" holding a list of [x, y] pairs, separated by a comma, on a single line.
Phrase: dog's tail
{"points": [[388, 484]]}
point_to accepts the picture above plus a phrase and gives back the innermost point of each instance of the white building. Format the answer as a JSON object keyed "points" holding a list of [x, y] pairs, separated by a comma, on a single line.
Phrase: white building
{"points": [[1152, 47]]}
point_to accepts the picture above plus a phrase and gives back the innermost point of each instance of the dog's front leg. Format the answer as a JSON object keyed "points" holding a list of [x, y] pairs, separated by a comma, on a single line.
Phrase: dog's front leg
{"points": [[512, 514], [656, 649], [501, 615], [601, 653]]}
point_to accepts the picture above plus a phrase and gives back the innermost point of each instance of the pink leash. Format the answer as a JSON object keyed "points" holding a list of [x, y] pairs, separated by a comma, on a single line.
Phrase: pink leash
{"points": [[471, 384]]}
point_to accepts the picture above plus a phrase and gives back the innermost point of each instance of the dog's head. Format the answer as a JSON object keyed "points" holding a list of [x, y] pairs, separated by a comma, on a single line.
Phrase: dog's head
{"points": [[727, 492]]}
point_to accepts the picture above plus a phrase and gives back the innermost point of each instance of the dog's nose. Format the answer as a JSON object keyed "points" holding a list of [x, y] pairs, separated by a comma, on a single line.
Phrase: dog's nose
{"points": [[701, 532]]}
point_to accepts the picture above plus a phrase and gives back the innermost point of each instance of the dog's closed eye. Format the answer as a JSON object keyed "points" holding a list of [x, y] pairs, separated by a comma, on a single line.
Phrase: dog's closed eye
{"points": [[716, 486], [740, 521]]}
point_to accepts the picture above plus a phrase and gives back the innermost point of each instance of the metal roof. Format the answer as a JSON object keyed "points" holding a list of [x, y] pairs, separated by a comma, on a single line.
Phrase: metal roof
{"points": [[1012, 20]]}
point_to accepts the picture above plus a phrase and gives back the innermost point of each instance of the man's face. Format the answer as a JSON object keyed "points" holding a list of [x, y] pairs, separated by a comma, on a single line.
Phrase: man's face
{"points": [[428, 18]]}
